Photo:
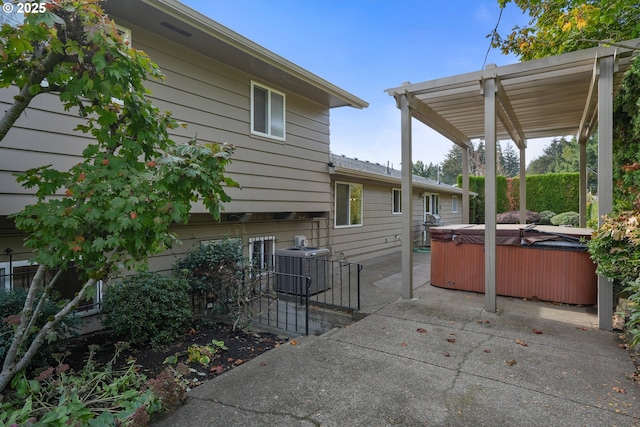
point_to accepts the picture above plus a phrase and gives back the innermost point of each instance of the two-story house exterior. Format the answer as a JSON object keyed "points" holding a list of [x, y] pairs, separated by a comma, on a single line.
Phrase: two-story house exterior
{"points": [[226, 88]]}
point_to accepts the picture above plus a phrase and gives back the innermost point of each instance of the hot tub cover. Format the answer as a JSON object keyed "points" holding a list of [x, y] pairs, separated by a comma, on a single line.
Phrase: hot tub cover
{"points": [[513, 234]]}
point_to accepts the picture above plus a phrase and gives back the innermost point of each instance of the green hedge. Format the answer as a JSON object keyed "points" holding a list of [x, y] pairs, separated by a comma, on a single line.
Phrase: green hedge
{"points": [[557, 192]]}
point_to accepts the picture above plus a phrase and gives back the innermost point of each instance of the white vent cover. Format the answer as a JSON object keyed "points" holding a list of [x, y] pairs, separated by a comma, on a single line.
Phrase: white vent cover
{"points": [[301, 241]]}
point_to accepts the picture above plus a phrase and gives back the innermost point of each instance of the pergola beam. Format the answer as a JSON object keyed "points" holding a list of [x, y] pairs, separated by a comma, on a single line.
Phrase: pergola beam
{"points": [[429, 117], [590, 112], [509, 118]]}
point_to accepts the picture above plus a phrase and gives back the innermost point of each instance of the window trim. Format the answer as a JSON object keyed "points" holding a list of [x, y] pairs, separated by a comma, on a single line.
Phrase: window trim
{"points": [[454, 204], [269, 134], [335, 208], [431, 198], [396, 193], [272, 250]]}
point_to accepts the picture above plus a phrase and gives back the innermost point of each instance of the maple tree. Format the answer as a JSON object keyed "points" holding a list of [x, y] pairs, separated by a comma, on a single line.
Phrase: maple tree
{"points": [[114, 208], [559, 26]]}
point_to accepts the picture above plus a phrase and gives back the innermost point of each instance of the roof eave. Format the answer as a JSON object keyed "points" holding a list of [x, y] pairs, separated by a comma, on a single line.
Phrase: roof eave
{"points": [[354, 173], [308, 84]]}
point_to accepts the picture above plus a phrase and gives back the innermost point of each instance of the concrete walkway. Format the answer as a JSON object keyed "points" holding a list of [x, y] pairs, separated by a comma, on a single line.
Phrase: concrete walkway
{"points": [[437, 360]]}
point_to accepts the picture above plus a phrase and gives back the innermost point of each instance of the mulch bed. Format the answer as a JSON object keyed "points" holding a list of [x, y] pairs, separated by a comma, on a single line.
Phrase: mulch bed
{"points": [[241, 347]]}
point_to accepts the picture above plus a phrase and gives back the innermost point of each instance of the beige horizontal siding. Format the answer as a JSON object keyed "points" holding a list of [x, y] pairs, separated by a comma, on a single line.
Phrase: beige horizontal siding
{"points": [[290, 175], [214, 101], [378, 234], [284, 233]]}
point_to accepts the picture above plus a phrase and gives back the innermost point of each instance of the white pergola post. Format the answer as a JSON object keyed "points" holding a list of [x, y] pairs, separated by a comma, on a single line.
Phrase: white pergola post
{"points": [[490, 135], [407, 214], [583, 183], [523, 187], [465, 184], [605, 178]]}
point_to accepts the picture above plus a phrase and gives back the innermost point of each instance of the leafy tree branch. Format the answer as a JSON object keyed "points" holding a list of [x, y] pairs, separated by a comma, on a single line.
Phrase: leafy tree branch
{"points": [[113, 209]]}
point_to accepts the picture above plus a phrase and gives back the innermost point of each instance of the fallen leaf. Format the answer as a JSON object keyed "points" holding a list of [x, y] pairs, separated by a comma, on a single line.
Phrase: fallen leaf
{"points": [[383, 328], [447, 355], [620, 390], [522, 343], [486, 350], [263, 364], [230, 359], [451, 340], [404, 344], [510, 362], [422, 330], [537, 331], [486, 321], [294, 342], [238, 362], [581, 328], [217, 369]]}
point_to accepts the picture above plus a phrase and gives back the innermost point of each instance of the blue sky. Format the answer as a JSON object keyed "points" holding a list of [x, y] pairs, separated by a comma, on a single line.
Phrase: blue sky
{"points": [[367, 46]]}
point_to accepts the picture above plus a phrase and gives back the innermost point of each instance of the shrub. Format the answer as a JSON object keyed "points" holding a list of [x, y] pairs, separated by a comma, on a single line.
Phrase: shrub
{"points": [[633, 323], [221, 281], [615, 247], [545, 217], [11, 305], [566, 218], [212, 272], [147, 307]]}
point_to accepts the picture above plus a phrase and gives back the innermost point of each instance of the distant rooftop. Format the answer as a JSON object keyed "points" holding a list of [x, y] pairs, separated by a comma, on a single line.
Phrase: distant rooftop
{"points": [[355, 167]]}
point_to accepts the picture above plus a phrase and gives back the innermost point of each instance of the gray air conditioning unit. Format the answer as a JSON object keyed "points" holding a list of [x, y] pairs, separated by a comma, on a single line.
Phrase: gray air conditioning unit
{"points": [[295, 263]]}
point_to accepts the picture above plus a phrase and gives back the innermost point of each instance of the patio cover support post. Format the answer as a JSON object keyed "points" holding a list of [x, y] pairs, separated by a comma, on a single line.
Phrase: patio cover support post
{"points": [[465, 184], [407, 214], [605, 178], [490, 141], [584, 177], [523, 187]]}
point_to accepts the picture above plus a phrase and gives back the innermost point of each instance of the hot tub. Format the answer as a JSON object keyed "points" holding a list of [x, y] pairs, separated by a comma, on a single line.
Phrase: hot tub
{"points": [[535, 262]]}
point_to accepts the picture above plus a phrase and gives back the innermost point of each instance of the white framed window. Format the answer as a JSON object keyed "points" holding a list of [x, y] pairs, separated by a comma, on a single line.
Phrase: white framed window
{"points": [[348, 204], [267, 112], [454, 204], [18, 274], [431, 203], [396, 200], [261, 252]]}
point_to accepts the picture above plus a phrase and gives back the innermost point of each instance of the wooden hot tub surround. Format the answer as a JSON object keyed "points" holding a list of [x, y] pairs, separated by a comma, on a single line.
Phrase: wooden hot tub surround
{"points": [[536, 262]]}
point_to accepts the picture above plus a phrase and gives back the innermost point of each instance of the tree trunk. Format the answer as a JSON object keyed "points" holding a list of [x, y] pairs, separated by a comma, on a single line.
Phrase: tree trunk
{"points": [[11, 366]]}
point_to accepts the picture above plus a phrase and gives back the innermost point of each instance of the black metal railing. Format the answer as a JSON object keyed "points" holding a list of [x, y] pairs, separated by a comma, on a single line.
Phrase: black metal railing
{"points": [[286, 310], [296, 283]]}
